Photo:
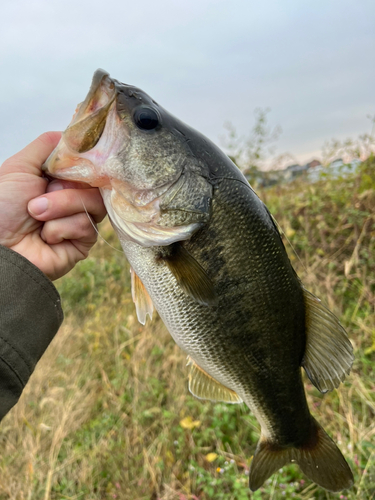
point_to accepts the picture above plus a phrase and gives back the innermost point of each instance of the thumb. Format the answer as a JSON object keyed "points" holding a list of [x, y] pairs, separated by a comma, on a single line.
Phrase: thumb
{"points": [[31, 158]]}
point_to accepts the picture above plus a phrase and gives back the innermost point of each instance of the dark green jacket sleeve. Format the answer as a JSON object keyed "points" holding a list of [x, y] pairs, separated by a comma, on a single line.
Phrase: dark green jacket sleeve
{"points": [[30, 315]]}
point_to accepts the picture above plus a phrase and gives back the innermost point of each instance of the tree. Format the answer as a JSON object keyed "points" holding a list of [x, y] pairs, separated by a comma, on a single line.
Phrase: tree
{"points": [[250, 153], [349, 149]]}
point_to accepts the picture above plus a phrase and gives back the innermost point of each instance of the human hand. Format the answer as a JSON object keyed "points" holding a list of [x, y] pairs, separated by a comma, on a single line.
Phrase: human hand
{"points": [[54, 238]]}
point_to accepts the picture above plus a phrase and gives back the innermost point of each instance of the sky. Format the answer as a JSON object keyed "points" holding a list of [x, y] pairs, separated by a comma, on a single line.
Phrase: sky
{"points": [[206, 61]]}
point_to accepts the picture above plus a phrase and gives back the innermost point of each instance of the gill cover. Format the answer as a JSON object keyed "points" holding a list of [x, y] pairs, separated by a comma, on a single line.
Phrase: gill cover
{"points": [[155, 188]]}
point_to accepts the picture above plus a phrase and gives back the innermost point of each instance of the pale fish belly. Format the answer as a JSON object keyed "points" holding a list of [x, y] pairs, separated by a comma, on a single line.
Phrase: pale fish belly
{"points": [[190, 325]]}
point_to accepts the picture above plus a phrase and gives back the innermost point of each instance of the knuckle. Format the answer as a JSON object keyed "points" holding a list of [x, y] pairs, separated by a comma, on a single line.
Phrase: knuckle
{"points": [[50, 232], [6, 163], [12, 162], [64, 201], [85, 224]]}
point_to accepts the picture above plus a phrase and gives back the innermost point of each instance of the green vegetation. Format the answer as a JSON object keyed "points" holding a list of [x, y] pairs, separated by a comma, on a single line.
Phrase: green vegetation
{"points": [[107, 414]]}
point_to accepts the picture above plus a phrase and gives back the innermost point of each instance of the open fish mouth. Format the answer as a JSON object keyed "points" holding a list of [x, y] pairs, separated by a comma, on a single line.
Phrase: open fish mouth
{"points": [[90, 118], [79, 155], [106, 146]]}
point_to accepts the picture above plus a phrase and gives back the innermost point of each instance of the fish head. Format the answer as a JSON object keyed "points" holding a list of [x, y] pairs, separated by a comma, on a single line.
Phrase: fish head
{"points": [[123, 142]]}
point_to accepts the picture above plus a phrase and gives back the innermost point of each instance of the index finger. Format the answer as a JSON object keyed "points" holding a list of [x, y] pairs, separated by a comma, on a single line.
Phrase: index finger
{"points": [[31, 158]]}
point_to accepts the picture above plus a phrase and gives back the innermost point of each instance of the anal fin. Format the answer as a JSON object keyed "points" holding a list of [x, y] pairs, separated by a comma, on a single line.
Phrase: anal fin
{"points": [[329, 354], [203, 386], [141, 298]]}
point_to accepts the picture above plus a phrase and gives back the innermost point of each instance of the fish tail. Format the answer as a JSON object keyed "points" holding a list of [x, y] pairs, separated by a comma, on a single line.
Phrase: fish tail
{"points": [[319, 458]]}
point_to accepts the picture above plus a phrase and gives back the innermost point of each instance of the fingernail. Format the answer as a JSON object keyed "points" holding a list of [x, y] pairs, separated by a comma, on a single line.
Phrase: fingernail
{"points": [[54, 186], [38, 206]]}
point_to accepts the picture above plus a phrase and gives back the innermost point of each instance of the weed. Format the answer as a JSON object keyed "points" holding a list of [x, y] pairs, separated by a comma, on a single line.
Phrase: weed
{"points": [[107, 413]]}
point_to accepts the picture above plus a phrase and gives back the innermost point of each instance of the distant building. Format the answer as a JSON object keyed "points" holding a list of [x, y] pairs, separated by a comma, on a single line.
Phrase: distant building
{"points": [[270, 178], [337, 163], [292, 167], [336, 169], [315, 174], [293, 171], [313, 164], [340, 169], [311, 172]]}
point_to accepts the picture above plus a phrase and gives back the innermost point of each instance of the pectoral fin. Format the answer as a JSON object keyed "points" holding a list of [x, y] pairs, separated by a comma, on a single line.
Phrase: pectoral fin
{"points": [[203, 386], [191, 276], [141, 298], [329, 354]]}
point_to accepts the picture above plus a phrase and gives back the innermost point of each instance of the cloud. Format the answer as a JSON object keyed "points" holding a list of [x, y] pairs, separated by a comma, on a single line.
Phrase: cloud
{"points": [[207, 61]]}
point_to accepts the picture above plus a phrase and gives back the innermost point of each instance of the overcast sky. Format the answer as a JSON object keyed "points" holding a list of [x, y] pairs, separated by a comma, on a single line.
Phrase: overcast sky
{"points": [[206, 61]]}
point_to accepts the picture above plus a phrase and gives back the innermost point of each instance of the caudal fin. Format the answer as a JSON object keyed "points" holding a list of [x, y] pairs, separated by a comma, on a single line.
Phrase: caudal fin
{"points": [[319, 458]]}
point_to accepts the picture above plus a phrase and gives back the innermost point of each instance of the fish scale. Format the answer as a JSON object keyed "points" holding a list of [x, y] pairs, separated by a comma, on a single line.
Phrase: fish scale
{"points": [[231, 343], [206, 253]]}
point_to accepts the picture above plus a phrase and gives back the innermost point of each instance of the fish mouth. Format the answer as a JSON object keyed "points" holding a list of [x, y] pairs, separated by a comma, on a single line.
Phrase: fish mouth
{"points": [[78, 156], [89, 120]]}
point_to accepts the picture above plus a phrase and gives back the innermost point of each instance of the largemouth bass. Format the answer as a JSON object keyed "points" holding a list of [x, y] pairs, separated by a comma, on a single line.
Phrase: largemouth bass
{"points": [[206, 253]]}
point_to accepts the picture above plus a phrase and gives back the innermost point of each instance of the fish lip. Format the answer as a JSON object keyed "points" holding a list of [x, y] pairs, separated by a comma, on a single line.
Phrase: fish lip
{"points": [[99, 77], [97, 105], [88, 122], [102, 82]]}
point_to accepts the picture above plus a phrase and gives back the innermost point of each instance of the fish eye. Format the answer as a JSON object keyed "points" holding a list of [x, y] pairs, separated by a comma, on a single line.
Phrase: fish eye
{"points": [[146, 118]]}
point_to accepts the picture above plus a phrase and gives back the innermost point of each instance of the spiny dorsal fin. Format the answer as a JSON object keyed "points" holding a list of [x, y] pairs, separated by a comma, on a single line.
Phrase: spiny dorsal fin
{"points": [[203, 386], [141, 298], [329, 354], [191, 276]]}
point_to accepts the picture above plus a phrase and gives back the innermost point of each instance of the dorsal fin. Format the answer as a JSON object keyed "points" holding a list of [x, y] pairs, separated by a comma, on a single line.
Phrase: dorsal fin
{"points": [[203, 386], [191, 276], [329, 354], [141, 298]]}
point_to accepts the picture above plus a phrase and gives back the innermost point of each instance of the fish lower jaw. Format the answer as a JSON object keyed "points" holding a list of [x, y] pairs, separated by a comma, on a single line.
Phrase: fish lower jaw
{"points": [[146, 234], [78, 174], [150, 235]]}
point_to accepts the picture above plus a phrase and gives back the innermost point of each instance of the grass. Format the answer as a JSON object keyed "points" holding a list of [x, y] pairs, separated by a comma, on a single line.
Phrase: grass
{"points": [[107, 413]]}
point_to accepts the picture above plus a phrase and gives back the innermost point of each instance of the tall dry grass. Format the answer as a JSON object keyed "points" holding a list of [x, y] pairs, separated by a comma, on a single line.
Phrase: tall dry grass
{"points": [[107, 413]]}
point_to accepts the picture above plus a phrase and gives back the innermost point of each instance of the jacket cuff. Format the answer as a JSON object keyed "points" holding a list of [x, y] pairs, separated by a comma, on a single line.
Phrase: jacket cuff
{"points": [[30, 316]]}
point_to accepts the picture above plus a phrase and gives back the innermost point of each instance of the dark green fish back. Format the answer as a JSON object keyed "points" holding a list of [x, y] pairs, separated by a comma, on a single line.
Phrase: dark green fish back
{"points": [[206, 253], [260, 317]]}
